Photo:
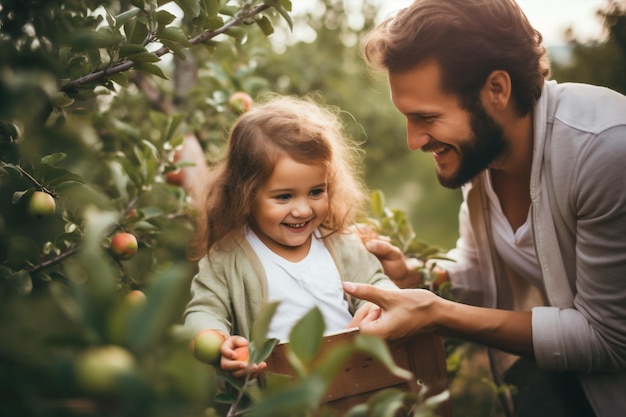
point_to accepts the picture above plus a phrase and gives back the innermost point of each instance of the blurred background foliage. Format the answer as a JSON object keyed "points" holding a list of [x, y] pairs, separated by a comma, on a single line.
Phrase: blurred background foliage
{"points": [[98, 97]]}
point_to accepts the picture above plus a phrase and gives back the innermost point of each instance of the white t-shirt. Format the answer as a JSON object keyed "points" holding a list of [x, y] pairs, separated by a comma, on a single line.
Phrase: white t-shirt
{"points": [[516, 248], [299, 286]]}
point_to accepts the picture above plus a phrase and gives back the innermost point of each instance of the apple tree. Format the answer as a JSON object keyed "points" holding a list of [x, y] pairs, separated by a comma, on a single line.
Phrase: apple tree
{"points": [[99, 98]]}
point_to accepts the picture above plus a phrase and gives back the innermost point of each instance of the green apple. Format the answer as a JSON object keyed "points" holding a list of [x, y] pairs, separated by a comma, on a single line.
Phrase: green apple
{"points": [[98, 370], [121, 317], [124, 245], [41, 204], [206, 345]]}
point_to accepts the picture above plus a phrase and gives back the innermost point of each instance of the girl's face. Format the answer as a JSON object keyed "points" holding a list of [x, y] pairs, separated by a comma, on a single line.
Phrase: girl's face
{"points": [[290, 206]]}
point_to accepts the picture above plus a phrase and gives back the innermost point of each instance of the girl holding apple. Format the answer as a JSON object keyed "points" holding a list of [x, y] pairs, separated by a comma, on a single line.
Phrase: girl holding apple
{"points": [[274, 228]]}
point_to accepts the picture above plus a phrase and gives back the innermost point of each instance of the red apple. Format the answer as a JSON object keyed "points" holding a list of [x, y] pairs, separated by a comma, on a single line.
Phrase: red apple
{"points": [[206, 345], [243, 353], [41, 204], [98, 370], [240, 101], [174, 177], [124, 245]]}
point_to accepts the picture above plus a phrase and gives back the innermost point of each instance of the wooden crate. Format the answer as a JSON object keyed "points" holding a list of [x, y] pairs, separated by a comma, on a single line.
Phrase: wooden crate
{"points": [[362, 375]]}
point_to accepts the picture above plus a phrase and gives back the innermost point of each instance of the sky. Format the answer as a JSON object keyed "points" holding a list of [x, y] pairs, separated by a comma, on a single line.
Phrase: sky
{"points": [[550, 17]]}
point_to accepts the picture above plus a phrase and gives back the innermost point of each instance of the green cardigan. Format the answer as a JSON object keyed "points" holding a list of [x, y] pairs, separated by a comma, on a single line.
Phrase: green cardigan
{"points": [[230, 288]]}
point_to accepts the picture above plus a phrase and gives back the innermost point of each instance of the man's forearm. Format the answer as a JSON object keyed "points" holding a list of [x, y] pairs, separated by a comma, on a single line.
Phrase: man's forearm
{"points": [[510, 331]]}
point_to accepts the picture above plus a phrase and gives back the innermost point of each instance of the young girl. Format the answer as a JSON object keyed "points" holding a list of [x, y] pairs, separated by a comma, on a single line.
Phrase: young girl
{"points": [[274, 228]]}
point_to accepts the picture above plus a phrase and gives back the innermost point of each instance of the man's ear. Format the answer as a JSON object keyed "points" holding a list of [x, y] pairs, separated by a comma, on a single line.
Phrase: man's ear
{"points": [[496, 92]]}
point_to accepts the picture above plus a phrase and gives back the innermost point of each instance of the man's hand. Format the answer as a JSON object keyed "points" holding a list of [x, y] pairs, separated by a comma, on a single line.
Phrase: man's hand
{"points": [[402, 312]]}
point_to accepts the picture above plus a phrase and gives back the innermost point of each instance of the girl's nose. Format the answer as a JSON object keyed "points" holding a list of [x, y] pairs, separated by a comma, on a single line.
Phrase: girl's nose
{"points": [[301, 208]]}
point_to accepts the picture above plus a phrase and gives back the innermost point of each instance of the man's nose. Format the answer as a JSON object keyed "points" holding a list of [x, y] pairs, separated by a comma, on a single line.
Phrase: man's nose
{"points": [[415, 139]]}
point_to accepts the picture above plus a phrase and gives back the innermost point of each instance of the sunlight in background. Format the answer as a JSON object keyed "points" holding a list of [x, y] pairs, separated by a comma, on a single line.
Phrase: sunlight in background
{"points": [[550, 17]]}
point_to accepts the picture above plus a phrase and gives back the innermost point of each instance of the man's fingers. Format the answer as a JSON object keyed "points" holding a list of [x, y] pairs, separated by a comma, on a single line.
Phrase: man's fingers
{"points": [[366, 292]]}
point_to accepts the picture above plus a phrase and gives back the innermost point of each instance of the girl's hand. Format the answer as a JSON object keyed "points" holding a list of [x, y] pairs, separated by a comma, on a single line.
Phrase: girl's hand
{"points": [[403, 271], [367, 313], [235, 358]]}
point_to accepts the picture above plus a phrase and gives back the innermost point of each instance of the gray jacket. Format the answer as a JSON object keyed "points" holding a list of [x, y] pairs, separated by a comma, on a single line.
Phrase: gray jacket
{"points": [[578, 212]]}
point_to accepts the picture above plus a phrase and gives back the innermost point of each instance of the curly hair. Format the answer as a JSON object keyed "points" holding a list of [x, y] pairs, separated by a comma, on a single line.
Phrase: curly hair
{"points": [[300, 128], [469, 39]]}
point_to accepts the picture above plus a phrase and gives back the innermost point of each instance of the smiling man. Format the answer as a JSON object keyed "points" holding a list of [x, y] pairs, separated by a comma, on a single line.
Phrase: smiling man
{"points": [[540, 271]]}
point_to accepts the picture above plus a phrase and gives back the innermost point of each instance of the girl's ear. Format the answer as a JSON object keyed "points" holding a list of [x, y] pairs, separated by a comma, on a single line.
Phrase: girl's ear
{"points": [[496, 92]]}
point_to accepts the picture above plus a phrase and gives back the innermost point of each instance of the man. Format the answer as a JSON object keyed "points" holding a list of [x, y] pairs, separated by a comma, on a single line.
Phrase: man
{"points": [[540, 270]]}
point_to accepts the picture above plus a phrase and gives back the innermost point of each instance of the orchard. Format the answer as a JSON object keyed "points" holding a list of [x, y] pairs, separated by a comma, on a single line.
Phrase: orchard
{"points": [[111, 113]]}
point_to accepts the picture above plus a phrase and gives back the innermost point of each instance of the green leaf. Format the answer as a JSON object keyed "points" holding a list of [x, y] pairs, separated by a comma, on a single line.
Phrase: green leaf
{"points": [[18, 195], [387, 403], [53, 158], [164, 18], [20, 281], [143, 57], [212, 7], [214, 23], [151, 69], [173, 123], [175, 34], [119, 78], [165, 298], [237, 33], [377, 347], [264, 351], [377, 201], [136, 32], [122, 18], [131, 49], [283, 7], [266, 25], [305, 338], [293, 401], [261, 325], [190, 7], [12, 170]]}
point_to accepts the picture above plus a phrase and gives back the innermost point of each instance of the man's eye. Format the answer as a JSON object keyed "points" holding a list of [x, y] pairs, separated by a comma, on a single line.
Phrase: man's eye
{"points": [[424, 119]]}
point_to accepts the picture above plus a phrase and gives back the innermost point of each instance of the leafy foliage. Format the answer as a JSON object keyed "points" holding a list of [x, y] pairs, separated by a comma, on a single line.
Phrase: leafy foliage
{"points": [[98, 98]]}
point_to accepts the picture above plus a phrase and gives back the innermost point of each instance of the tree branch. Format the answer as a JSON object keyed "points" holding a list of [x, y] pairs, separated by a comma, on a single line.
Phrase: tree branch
{"points": [[203, 37]]}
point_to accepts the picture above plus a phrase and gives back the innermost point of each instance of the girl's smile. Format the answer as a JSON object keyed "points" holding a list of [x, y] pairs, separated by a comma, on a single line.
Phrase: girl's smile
{"points": [[290, 206]]}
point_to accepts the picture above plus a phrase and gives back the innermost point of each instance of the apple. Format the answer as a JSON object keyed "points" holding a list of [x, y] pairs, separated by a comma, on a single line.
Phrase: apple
{"points": [[174, 177], [135, 298], [120, 318], [124, 245], [243, 353], [240, 101], [41, 204], [98, 370], [206, 344]]}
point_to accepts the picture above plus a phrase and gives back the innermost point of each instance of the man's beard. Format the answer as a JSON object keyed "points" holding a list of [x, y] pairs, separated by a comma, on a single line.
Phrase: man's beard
{"points": [[476, 154]]}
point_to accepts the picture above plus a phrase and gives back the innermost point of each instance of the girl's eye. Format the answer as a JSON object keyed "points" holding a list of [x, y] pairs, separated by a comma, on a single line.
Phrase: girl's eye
{"points": [[317, 192], [283, 197]]}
